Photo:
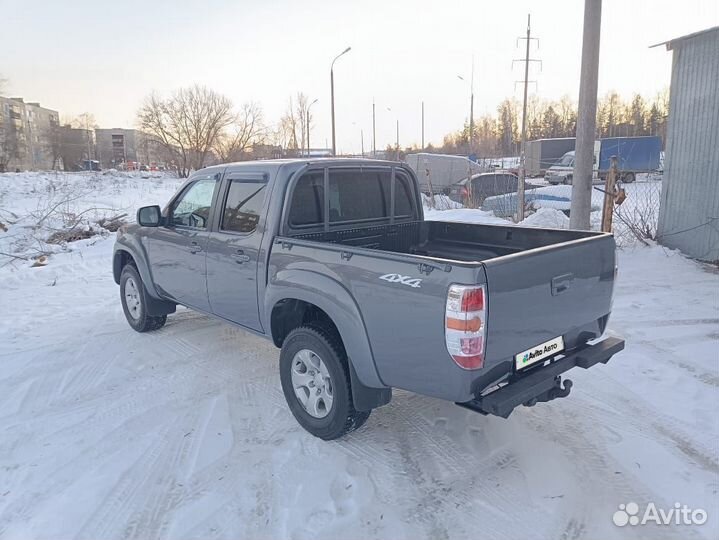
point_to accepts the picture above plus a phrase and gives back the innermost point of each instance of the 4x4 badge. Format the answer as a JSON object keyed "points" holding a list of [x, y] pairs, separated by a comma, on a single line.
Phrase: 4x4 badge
{"points": [[404, 280]]}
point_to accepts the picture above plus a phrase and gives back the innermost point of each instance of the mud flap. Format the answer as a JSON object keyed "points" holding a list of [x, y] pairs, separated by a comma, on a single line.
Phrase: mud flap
{"points": [[366, 398]]}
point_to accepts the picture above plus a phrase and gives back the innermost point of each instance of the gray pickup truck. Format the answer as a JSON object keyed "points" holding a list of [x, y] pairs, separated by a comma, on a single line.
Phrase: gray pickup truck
{"points": [[332, 260]]}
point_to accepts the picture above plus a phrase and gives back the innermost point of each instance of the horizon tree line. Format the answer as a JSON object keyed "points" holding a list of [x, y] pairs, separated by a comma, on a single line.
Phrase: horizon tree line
{"points": [[196, 126]]}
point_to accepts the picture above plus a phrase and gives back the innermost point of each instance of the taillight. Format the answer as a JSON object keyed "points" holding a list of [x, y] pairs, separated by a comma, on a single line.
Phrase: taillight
{"points": [[465, 325]]}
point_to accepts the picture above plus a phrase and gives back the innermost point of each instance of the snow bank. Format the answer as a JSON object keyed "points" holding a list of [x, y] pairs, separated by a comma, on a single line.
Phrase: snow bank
{"points": [[34, 207], [441, 202], [466, 215], [547, 217]]}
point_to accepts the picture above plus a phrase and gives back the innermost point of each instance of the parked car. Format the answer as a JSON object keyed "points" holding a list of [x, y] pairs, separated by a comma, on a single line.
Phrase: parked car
{"points": [[556, 197], [543, 153], [332, 260], [634, 155], [472, 192], [90, 165]]}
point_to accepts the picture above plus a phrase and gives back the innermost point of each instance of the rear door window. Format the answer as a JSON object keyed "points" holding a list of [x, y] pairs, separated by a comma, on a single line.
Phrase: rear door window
{"points": [[242, 206]]}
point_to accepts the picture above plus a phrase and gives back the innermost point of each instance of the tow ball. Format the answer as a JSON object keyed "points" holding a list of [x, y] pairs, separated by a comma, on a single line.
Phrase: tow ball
{"points": [[557, 391]]}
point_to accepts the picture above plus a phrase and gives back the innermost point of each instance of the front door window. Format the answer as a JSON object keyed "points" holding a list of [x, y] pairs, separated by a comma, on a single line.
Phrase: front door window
{"points": [[192, 208]]}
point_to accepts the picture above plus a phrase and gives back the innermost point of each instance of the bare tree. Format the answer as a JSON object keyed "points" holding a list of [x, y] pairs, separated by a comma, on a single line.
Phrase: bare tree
{"points": [[84, 121], [246, 129], [291, 131], [187, 124], [301, 115], [3, 85], [53, 143]]}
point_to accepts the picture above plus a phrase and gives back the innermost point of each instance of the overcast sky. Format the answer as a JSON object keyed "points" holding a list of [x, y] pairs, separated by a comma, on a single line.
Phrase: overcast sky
{"points": [[105, 56]]}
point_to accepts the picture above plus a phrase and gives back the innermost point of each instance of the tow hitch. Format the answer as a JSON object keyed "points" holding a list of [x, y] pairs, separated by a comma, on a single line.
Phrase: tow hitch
{"points": [[542, 383], [557, 391]]}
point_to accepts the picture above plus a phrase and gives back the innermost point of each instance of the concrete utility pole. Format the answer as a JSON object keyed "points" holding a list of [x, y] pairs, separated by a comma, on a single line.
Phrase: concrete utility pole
{"points": [[308, 125], [471, 110], [332, 97], [586, 118], [523, 148], [470, 139], [423, 125], [397, 139], [374, 133]]}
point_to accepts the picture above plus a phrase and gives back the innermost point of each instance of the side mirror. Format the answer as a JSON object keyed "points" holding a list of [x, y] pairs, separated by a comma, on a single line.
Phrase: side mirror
{"points": [[149, 216]]}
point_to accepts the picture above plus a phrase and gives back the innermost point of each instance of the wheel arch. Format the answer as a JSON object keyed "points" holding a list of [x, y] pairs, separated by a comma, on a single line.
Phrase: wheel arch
{"points": [[155, 304], [297, 297]]}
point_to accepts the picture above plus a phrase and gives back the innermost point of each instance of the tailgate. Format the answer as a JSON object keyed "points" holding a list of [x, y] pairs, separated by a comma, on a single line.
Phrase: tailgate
{"points": [[538, 295]]}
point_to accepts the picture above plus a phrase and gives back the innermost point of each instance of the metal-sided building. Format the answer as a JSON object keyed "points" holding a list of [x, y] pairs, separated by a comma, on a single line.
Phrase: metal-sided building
{"points": [[689, 211]]}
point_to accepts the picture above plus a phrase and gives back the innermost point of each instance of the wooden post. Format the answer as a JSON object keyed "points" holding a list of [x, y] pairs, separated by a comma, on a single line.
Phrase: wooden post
{"points": [[429, 184], [610, 189]]}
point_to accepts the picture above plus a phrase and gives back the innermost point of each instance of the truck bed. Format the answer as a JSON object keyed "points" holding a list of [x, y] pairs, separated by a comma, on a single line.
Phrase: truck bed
{"points": [[448, 241], [541, 284]]}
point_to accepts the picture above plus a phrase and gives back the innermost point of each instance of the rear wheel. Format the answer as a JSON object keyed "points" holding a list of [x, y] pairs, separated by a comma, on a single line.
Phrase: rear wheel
{"points": [[133, 298], [316, 383]]}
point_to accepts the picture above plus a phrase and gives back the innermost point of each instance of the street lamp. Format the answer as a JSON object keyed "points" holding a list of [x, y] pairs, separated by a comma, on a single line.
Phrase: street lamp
{"points": [[471, 105], [308, 125], [332, 97]]}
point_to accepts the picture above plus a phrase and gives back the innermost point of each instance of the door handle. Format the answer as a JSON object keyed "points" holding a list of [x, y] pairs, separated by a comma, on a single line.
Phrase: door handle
{"points": [[240, 257], [195, 247]]}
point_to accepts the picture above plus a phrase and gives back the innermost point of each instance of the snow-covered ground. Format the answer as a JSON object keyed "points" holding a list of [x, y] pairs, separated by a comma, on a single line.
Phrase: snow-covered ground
{"points": [[184, 433]]}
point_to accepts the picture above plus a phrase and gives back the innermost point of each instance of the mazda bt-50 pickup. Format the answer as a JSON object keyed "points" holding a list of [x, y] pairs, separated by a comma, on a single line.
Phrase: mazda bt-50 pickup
{"points": [[333, 261]]}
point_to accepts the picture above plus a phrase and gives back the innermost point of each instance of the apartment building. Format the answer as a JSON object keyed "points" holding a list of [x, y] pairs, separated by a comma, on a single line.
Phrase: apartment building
{"points": [[116, 146], [29, 136]]}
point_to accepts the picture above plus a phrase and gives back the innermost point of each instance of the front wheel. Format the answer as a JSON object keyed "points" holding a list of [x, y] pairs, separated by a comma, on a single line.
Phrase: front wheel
{"points": [[316, 383], [133, 298]]}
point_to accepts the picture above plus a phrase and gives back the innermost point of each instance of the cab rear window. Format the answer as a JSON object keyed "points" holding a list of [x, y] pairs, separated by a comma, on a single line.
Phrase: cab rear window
{"points": [[354, 195], [359, 195], [308, 200]]}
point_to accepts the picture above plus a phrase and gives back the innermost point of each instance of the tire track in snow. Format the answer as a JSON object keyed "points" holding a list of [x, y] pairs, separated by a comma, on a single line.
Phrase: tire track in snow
{"points": [[618, 402], [596, 468]]}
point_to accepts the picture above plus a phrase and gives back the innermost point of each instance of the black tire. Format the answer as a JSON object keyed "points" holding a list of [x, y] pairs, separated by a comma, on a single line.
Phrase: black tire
{"points": [[136, 315], [568, 180], [342, 418], [628, 178]]}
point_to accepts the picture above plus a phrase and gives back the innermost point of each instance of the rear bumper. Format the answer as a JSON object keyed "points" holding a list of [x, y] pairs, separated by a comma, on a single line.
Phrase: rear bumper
{"points": [[544, 383]]}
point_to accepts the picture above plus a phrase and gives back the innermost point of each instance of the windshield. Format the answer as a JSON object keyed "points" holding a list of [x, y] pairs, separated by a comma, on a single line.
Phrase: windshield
{"points": [[567, 159]]}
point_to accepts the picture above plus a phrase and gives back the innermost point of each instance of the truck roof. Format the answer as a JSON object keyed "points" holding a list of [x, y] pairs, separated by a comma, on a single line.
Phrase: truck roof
{"points": [[276, 163]]}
